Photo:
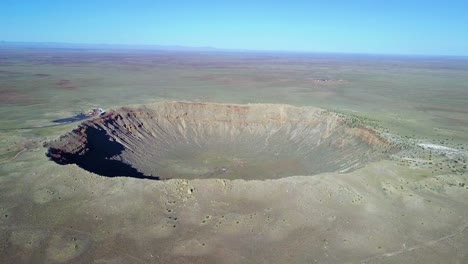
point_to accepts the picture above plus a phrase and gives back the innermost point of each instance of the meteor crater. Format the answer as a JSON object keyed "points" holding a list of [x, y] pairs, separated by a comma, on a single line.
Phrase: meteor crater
{"points": [[192, 140]]}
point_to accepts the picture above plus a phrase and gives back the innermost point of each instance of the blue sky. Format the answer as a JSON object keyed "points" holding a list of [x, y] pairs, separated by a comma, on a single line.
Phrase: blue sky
{"points": [[389, 27]]}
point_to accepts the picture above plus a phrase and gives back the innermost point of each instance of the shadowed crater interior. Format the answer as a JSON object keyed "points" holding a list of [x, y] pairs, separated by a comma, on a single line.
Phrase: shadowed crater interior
{"points": [[206, 140]]}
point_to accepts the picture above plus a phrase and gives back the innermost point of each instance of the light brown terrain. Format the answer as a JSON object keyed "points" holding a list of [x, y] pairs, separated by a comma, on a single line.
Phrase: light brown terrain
{"points": [[377, 174], [230, 199]]}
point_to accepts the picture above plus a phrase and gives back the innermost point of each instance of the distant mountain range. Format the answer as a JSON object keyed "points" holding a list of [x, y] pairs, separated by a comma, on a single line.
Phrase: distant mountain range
{"points": [[123, 47], [107, 46]]}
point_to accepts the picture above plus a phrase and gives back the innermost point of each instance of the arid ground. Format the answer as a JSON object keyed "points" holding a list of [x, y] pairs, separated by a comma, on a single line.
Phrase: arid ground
{"points": [[230, 157]]}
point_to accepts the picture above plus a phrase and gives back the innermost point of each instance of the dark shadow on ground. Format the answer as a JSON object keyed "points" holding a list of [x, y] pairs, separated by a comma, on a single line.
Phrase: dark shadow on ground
{"points": [[71, 119], [99, 157], [58, 122]]}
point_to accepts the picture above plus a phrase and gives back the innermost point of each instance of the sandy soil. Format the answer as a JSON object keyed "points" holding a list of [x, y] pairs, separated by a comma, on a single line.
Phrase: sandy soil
{"points": [[410, 207], [383, 213]]}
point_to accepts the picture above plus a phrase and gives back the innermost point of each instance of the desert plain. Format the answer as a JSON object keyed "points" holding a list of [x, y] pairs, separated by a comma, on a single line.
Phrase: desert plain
{"points": [[232, 157]]}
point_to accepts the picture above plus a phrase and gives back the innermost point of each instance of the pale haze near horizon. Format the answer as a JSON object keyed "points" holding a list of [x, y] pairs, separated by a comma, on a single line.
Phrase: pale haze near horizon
{"points": [[396, 27]]}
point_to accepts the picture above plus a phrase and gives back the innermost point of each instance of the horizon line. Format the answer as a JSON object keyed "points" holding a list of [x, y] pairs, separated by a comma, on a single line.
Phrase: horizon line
{"points": [[175, 47]]}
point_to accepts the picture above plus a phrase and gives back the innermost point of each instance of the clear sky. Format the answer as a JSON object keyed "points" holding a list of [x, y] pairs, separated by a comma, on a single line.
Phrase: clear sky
{"points": [[360, 26]]}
